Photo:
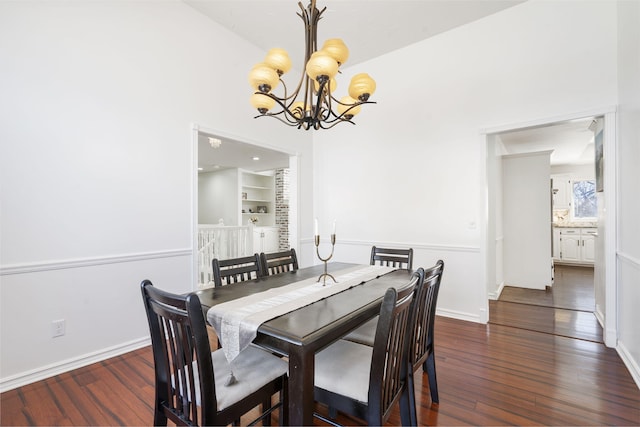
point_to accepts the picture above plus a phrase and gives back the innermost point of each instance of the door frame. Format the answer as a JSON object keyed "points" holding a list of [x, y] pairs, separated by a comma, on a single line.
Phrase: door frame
{"points": [[608, 319], [294, 167]]}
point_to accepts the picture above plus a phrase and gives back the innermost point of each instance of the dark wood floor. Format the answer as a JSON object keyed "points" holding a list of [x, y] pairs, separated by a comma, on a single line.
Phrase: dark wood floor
{"points": [[487, 375], [556, 321], [566, 309], [573, 289]]}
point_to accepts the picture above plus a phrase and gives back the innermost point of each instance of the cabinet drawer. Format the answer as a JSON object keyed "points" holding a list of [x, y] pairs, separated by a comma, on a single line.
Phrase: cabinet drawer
{"points": [[569, 231]]}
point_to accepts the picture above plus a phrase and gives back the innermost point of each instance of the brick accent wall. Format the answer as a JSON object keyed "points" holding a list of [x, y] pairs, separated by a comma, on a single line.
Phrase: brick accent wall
{"points": [[282, 207]]}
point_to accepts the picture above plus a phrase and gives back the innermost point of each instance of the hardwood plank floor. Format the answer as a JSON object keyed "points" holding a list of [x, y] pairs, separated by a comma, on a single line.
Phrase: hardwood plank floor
{"points": [[556, 321], [573, 289], [487, 375], [564, 309]]}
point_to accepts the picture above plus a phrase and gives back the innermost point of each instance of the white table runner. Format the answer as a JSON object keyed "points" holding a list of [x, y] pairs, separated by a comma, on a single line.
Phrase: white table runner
{"points": [[236, 322]]}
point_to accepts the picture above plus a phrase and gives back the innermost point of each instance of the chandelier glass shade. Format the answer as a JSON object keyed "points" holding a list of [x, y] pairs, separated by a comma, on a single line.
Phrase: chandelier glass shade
{"points": [[312, 104]]}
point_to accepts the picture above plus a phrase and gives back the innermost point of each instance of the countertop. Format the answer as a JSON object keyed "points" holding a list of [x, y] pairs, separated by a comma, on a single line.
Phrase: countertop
{"points": [[575, 224]]}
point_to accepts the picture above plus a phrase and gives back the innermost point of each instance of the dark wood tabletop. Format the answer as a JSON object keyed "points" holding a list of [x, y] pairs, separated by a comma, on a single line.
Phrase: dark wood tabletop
{"points": [[307, 330]]}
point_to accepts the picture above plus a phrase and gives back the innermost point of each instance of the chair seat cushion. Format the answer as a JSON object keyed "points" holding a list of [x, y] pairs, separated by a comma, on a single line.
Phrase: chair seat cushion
{"points": [[364, 334], [344, 368], [253, 368]]}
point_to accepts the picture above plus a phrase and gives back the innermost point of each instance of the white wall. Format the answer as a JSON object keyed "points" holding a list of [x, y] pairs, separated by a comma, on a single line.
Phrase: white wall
{"points": [[576, 171], [495, 229], [96, 165], [218, 197], [434, 98], [527, 220], [628, 183]]}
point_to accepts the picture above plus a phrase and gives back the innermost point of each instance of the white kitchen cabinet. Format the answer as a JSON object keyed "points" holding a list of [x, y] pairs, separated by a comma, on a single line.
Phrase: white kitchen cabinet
{"points": [[556, 244], [561, 189], [588, 237], [265, 239], [576, 245], [570, 244]]}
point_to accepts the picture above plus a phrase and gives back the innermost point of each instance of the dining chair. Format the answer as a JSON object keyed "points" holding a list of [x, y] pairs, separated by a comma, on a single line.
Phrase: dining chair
{"points": [[401, 258], [236, 269], [367, 382], [365, 334], [421, 351], [190, 379], [279, 262], [424, 325]]}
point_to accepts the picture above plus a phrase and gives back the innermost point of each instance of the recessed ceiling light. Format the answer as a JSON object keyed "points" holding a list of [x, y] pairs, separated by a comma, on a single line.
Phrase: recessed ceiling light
{"points": [[256, 158], [200, 169]]}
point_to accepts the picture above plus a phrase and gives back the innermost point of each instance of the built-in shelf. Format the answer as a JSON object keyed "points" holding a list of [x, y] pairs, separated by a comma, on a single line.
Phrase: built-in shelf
{"points": [[257, 193]]}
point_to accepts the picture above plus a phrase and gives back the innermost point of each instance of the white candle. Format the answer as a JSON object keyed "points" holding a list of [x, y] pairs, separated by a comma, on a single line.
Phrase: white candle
{"points": [[334, 227], [315, 229]]}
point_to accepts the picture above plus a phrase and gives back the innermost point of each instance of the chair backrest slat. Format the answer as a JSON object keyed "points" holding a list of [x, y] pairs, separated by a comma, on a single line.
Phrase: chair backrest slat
{"points": [[279, 262], [236, 269], [399, 258]]}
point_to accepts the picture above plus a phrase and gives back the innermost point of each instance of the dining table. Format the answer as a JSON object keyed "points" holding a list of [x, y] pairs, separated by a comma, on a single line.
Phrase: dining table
{"points": [[301, 333]]}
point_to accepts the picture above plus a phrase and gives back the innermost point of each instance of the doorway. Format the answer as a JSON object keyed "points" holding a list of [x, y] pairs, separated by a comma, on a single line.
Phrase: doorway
{"points": [[240, 189], [605, 275]]}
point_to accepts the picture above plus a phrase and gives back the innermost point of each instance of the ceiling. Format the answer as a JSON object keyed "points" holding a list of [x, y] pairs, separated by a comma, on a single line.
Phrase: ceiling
{"points": [[571, 141], [369, 28], [237, 154]]}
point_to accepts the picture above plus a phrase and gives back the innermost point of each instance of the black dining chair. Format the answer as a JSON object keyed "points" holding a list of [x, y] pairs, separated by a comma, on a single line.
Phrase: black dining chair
{"points": [[279, 262], [421, 352], [367, 382], [190, 379], [234, 270], [365, 334], [400, 258]]}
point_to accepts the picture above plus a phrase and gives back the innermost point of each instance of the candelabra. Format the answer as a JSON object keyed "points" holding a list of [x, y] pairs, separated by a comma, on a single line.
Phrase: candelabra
{"points": [[324, 275]]}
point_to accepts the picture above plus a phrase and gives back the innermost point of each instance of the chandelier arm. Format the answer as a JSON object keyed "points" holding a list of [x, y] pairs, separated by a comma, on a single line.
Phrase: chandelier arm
{"points": [[341, 117], [317, 112], [275, 116], [334, 122], [285, 97], [327, 101], [285, 110], [295, 93]]}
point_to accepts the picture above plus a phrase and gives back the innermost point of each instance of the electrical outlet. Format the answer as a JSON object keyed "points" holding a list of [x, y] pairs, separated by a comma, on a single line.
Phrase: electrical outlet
{"points": [[57, 328]]}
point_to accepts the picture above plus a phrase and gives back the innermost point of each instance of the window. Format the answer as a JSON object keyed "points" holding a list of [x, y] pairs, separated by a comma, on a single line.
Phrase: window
{"points": [[585, 204]]}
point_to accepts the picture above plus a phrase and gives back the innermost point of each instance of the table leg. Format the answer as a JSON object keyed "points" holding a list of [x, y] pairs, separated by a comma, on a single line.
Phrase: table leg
{"points": [[301, 376]]}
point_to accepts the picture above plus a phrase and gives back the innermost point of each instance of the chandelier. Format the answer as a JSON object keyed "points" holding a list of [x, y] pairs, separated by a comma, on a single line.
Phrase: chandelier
{"points": [[311, 104]]}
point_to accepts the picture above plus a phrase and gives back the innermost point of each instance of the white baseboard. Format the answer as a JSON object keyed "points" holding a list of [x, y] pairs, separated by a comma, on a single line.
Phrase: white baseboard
{"points": [[44, 372], [496, 295], [459, 315], [630, 363], [599, 315]]}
